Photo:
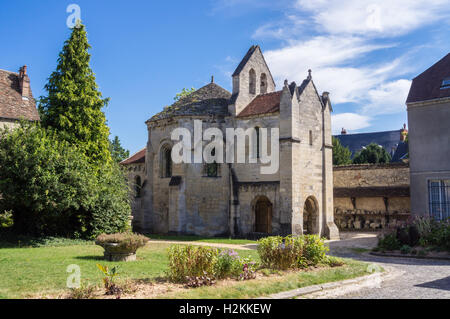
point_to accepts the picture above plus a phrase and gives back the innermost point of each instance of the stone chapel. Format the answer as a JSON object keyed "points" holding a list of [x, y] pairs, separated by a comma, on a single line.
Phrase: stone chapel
{"points": [[235, 199]]}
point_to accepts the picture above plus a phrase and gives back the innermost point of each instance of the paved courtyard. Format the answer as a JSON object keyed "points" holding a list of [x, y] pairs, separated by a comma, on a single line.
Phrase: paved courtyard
{"points": [[412, 278]]}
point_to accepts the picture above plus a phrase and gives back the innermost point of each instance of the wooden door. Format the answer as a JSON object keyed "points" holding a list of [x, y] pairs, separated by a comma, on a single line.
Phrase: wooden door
{"points": [[263, 216]]}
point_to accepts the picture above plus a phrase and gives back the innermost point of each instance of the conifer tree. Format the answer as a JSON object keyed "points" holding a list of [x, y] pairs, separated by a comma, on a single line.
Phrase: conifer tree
{"points": [[118, 153], [341, 154], [74, 104]]}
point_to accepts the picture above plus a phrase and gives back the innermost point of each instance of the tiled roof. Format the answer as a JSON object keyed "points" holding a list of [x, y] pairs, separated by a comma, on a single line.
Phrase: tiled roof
{"points": [[427, 86], [139, 157], [211, 99], [12, 104], [355, 142], [270, 102], [262, 104]]}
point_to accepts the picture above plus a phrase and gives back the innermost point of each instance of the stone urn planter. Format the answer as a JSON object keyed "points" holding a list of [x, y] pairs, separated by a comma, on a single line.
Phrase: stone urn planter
{"points": [[121, 246]]}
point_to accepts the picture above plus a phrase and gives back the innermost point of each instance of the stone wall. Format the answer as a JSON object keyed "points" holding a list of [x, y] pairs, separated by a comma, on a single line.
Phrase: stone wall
{"points": [[371, 197], [133, 171]]}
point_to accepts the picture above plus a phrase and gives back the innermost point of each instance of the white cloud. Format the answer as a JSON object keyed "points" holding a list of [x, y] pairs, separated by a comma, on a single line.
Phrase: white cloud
{"points": [[374, 18], [329, 58], [388, 98], [349, 121], [343, 42]]}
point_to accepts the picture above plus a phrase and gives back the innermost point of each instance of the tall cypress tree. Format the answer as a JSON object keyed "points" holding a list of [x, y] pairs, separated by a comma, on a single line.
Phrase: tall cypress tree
{"points": [[74, 104]]}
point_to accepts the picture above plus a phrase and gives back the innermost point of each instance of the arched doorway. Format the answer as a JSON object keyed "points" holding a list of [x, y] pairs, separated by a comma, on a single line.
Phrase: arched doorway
{"points": [[310, 216], [263, 215]]}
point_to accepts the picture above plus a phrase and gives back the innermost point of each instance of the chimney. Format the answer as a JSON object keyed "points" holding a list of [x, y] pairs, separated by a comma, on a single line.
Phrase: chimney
{"points": [[344, 131], [403, 133], [24, 82]]}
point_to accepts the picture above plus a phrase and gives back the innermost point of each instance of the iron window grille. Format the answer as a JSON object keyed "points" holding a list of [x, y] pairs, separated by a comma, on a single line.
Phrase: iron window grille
{"points": [[439, 199]]}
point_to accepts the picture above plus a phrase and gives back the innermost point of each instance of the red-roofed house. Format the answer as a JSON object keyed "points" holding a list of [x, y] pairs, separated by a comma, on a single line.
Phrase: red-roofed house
{"points": [[16, 99]]}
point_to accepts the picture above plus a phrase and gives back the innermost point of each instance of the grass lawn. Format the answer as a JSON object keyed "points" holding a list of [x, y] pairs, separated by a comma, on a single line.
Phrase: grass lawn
{"points": [[28, 272]]}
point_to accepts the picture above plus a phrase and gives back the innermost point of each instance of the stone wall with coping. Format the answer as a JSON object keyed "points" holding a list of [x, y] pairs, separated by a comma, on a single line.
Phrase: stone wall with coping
{"points": [[371, 196]]}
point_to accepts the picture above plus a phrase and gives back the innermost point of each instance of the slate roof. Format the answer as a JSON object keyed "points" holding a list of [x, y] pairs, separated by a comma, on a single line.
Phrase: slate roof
{"points": [[355, 142], [211, 99], [12, 105], [139, 157], [263, 104], [245, 60], [427, 86], [401, 152]]}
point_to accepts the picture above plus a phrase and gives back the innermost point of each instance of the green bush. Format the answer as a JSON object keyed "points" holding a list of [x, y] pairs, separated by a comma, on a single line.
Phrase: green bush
{"points": [[228, 264], [191, 261], [315, 250], [53, 190], [197, 264], [6, 219], [433, 233], [389, 242], [334, 261], [405, 249], [291, 252]]}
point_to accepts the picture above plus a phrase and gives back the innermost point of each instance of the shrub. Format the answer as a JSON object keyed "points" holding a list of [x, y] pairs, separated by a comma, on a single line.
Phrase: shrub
{"points": [[433, 232], [405, 249], [53, 190], [198, 266], [187, 261], [291, 252], [315, 250], [334, 261], [278, 252], [6, 219], [126, 241], [389, 242], [83, 292], [228, 264], [247, 273], [408, 235]]}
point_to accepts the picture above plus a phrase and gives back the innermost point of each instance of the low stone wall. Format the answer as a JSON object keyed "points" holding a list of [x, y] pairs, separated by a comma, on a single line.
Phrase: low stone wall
{"points": [[371, 197]]}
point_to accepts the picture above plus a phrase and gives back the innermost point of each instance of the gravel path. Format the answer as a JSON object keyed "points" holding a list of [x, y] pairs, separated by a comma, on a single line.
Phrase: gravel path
{"points": [[198, 243], [415, 278]]}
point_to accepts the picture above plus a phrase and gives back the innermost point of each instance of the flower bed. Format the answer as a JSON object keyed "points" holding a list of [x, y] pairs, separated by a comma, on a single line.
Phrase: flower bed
{"points": [[419, 236], [201, 266], [197, 266]]}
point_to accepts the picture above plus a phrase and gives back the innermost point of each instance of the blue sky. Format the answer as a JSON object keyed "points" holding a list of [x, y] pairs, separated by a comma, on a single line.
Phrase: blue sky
{"points": [[143, 52]]}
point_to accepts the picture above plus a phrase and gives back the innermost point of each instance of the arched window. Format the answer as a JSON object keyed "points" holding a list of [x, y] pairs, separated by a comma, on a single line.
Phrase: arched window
{"points": [[258, 143], [310, 138], [212, 169], [137, 186], [263, 84], [252, 82], [166, 162]]}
